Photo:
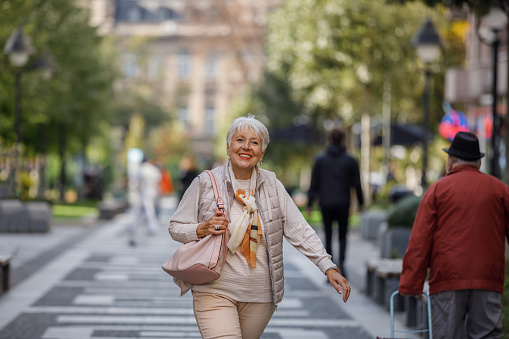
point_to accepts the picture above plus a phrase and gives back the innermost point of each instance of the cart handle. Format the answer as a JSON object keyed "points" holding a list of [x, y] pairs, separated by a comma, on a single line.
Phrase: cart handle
{"points": [[418, 331]]}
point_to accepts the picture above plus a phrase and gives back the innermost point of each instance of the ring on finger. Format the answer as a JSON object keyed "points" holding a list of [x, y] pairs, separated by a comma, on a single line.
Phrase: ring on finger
{"points": [[216, 227]]}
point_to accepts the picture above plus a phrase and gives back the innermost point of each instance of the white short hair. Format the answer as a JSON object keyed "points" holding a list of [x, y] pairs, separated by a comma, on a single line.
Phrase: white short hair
{"points": [[459, 161], [249, 123]]}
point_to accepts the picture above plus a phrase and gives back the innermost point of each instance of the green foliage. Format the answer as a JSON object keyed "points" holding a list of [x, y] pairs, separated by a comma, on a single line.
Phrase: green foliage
{"points": [[131, 104], [76, 97], [315, 219], [24, 186], [63, 114], [402, 213], [382, 196], [338, 55], [275, 101]]}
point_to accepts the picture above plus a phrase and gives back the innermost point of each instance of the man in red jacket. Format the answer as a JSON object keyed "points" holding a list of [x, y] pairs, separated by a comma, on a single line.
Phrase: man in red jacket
{"points": [[459, 234]]}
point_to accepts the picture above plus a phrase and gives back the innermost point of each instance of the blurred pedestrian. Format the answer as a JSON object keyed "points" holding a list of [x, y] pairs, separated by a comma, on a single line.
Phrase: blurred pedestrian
{"points": [[334, 174], [187, 174], [148, 181], [459, 234], [259, 213], [166, 182]]}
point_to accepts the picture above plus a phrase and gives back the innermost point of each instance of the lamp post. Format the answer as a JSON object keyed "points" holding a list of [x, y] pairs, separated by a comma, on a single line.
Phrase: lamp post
{"points": [[19, 48], [427, 44], [495, 20]]}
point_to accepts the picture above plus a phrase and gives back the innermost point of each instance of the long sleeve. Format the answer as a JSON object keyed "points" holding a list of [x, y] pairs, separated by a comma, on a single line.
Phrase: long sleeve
{"points": [[298, 232], [418, 255], [184, 222], [357, 184], [314, 185]]}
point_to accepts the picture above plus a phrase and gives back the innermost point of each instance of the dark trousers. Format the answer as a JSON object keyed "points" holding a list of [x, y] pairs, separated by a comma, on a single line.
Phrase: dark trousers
{"points": [[339, 214]]}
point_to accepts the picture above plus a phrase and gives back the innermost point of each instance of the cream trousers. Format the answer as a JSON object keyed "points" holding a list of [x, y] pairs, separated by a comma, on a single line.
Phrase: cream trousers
{"points": [[221, 317]]}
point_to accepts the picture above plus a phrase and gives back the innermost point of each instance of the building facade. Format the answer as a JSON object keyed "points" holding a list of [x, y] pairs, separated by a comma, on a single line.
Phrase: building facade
{"points": [[194, 57]]}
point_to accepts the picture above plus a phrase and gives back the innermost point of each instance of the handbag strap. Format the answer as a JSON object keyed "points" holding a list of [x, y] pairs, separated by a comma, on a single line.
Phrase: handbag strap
{"points": [[217, 193], [220, 248]]}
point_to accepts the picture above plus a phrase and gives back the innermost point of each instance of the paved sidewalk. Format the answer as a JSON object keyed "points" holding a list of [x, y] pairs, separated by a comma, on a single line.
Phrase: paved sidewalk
{"points": [[96, 286]]}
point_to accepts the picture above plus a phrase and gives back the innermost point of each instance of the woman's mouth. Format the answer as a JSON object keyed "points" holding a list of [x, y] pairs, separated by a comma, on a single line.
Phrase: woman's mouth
{"points": [[245, 156]]}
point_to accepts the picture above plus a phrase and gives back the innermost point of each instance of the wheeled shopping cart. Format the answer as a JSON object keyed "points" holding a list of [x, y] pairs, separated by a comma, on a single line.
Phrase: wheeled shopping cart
{"points": [[393, 331]]}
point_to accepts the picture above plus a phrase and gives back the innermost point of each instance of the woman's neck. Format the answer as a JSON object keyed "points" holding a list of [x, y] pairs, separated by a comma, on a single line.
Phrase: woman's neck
{"points": [[242, 174]]}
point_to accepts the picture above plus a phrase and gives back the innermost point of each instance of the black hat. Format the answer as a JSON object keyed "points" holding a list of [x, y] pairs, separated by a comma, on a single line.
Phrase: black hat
{"points": [[465, 146]]}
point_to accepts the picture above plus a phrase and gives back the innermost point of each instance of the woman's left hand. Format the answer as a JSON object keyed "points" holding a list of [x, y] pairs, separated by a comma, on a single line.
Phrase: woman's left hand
{"points": [[339, 283]]}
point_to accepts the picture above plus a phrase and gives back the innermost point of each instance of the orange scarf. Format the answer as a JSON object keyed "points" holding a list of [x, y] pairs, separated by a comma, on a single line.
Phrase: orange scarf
{"points": [[247, 231]]}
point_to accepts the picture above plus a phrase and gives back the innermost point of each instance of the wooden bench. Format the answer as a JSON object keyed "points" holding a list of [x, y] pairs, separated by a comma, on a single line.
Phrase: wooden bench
{"points": [[39, 216], [108, 209], [12, 218], [382, 279]]}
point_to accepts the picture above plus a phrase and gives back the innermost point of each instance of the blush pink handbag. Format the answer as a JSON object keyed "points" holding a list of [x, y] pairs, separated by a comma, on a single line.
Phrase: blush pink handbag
{"points": [[199, 262]]}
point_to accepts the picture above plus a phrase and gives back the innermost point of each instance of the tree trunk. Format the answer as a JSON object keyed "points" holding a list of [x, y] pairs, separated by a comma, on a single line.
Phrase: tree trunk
{"points": [[366, 147], [42, 168], [386, 112], [62, 143], [82, 190]]}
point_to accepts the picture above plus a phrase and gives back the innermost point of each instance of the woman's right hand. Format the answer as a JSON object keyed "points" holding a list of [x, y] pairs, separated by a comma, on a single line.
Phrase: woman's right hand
{"points": [[209, 226]]}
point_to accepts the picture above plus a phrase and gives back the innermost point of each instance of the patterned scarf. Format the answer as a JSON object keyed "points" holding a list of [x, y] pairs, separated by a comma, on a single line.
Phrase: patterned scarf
{"points": [[247, 231]]}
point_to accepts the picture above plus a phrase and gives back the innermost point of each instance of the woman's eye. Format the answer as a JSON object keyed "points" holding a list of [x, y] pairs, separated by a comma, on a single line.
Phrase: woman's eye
{"points": [[255, 142], [239, 140]]}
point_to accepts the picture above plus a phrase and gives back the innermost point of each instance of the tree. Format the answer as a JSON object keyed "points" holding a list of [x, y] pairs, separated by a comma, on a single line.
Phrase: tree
{"points": [[334, 52], [338, 56], [76, 100]]}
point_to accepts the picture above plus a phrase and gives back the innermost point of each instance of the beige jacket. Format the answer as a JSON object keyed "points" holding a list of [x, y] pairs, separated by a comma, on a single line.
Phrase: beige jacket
{"points": [[280, 217]]}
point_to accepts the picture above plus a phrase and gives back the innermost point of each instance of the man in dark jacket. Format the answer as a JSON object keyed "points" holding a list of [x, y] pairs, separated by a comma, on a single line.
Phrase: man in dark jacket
{"points": [[334, 174], [459, 234]]}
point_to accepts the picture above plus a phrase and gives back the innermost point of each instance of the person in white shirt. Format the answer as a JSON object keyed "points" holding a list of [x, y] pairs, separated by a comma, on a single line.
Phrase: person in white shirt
{"points": [[148, 179]]}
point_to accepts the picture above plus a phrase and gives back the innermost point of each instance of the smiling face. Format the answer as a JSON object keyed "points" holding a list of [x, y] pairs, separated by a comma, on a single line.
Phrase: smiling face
{"points": [[245, 151]]}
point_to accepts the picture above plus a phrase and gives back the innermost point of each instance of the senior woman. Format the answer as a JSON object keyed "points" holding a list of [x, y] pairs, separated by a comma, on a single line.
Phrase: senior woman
{"points": [[259, 212]]}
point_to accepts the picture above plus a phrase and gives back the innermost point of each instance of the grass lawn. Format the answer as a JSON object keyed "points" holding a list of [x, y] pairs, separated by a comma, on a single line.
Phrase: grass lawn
{"points": [[73, 210], [315, 219]]}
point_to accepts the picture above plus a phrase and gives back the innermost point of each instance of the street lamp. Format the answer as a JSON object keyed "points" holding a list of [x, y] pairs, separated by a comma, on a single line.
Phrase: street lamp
{"points": [[19, 48], [495, 20], [427, 44]]}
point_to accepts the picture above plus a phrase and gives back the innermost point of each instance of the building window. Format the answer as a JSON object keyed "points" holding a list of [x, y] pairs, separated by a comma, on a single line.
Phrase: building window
{"points": [[154, 67], [184, 64], [134, 14], [210, 114], [130, 65], [143, 11], [160, 14], [184, 117], [211, 65]]}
